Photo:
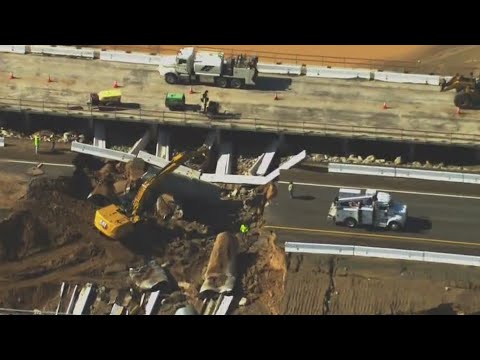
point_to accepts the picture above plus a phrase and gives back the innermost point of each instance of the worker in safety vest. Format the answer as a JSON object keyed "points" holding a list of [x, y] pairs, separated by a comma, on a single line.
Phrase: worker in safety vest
{"points": [[290, 189], [244, 230], [36, 142]]}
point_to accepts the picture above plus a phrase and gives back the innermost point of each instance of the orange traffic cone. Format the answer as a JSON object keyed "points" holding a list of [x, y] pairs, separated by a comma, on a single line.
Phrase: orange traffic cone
{"points": [[49, 79], [276, 97], [11, 77], [115, 84], [385, 106], [191, 91]]}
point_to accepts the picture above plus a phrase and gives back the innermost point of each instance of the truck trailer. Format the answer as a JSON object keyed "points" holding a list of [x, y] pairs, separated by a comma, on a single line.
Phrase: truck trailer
{"points": [[205, 67], [354, 207]]}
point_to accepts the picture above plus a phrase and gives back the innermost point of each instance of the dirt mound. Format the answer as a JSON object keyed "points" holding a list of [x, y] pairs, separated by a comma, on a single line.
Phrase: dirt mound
{"points": [[48, 218]]}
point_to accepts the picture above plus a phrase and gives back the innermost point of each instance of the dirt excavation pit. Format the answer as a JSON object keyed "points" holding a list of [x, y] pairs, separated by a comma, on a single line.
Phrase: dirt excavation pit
{"points": [[49, 238]]}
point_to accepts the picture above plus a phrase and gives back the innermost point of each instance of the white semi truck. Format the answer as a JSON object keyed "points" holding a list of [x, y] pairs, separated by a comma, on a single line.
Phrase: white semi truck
{"points": [[354, 207], [190, 66]]}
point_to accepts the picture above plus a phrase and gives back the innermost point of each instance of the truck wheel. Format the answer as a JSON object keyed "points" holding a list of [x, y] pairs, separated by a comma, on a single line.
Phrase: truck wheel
{"points": [[171, 78], [350, 222], [462, 100], [237, 83], [394, 226], [222, 82]]}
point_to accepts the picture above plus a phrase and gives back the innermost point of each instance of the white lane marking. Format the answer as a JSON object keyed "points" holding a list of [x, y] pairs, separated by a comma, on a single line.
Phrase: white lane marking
{"points": [[34, 162], [392, 191]]}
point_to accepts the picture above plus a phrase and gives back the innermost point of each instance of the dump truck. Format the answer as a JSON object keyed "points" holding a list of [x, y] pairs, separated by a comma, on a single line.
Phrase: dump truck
{"points": [[118, 221], [467, 90], [354, 207], [213, 68], [106, 98]]}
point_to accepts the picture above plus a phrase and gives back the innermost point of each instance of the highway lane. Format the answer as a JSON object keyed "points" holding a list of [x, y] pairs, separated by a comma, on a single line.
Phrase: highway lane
{"points": [[436, 223]]}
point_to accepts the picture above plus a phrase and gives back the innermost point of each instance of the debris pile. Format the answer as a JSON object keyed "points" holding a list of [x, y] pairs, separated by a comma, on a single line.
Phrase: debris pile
{"points": [[45, 135], [244, 165]]}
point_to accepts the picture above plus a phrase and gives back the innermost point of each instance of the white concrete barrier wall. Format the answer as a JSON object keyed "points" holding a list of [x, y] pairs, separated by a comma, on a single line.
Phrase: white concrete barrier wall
{"points": [[18, 49], [404, 173], [133, 58], [159, 162], [327, 249], [87, 53], [2, 142], [429, 175], [338, 73], [406, 78], [386, 253], [361, 169], [279, 69]]}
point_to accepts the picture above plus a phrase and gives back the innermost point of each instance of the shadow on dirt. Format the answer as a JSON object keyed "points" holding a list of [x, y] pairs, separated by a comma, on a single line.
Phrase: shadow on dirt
{"points": [[268, 83], [442, 309]]}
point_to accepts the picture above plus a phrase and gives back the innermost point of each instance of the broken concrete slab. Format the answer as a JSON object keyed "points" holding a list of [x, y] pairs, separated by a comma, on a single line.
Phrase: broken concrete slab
{"points": [[141, 143], [84, 299], [148, 276], [163, 144], [152, 302], [100, 135], [224, 162], [117, 310], [268, 156]]}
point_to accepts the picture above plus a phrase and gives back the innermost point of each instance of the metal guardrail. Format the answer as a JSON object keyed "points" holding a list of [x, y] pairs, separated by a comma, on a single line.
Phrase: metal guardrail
{"points": [[313, 128], [385, 253], [400, 172]]}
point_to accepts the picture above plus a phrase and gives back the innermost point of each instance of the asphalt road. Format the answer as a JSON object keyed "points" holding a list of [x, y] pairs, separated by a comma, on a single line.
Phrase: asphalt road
{"points": [[446, 222], [346, 104]]}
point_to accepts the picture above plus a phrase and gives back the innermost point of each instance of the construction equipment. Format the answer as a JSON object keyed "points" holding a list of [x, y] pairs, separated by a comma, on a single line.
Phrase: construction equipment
{"points": [[373, 208], [210, 68], [176, 102], [468, 90], [107, 98], [116, 222]]}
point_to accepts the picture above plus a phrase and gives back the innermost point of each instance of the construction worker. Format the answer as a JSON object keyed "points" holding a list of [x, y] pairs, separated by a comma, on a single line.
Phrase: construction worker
{"points": [[205, 100], [52, 141], [244, 230], [36, 142], [290, 189]]}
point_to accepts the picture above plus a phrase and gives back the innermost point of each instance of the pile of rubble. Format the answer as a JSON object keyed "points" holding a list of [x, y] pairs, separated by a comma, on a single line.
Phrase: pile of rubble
{"points": [[372, 160], [45, 135], [244, 164]]}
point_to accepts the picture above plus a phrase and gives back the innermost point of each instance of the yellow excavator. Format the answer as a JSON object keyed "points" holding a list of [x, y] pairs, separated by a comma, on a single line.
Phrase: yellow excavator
{"points": [[468, 90], [116, 222]]}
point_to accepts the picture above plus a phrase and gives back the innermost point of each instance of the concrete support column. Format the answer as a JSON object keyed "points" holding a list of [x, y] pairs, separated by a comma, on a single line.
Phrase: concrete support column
{"points": [[99, 135], [411, 152], [477, 155], [345, 147], [163, 144], [28, 121]]}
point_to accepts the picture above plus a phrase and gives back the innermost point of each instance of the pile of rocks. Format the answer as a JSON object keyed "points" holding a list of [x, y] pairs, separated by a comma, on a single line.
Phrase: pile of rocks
{"points": [[11, 134], [244, 164], [372, 160], [44, 135]]}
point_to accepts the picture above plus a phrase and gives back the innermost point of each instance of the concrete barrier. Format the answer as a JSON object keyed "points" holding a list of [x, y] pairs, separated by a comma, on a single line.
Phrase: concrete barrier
{"points": [[233, 179], [406, 78], [386, 253], [404, 173], [279, 69], [2, 142], [429, 175], [17, 49], [87, 53], [133, 58], [161, 163], [338, 73], [327, 249], [361, 169]]}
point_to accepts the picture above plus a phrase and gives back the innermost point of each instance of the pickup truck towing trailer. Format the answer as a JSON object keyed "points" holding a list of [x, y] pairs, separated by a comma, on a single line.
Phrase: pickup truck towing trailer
{"points": [[210, 68], [353, 207]]}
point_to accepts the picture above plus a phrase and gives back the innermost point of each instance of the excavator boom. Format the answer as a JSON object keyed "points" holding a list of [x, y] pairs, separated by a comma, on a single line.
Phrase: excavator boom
{"points": [[115, 223]]}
